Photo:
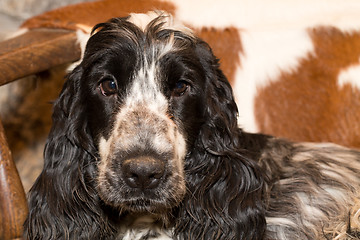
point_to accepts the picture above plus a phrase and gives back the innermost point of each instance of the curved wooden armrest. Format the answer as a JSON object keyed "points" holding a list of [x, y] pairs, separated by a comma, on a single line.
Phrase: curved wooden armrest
{"points": [[36, 50], [13, 204], [48, 44]]}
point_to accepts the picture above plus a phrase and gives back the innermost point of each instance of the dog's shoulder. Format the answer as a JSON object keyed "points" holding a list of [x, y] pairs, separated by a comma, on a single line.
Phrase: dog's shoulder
{"points": [[309, 186]]}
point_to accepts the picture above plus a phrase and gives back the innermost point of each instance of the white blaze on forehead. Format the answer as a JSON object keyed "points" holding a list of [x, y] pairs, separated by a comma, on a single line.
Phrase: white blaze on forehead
{"points": [[145, 109], [146, 90], [146, 87]]}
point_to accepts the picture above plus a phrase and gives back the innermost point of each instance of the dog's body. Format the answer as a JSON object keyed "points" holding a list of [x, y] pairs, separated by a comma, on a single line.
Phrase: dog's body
{"points": [[311, 192], [145, 145]]}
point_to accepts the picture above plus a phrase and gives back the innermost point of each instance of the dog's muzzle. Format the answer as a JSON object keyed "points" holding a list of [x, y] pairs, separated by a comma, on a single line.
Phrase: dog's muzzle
{"points": [[142, 159]]}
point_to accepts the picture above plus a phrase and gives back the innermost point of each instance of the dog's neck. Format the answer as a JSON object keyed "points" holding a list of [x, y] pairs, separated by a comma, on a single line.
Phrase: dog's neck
{"points": [[143, 226]]}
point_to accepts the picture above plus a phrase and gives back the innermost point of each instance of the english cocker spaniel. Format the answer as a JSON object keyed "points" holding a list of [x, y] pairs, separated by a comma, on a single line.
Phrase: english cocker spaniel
{"points": [[145, 145]]}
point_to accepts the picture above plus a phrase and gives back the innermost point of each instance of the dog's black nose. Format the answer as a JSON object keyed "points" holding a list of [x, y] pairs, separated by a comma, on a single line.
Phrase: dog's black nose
{"points": [[143, 172]]}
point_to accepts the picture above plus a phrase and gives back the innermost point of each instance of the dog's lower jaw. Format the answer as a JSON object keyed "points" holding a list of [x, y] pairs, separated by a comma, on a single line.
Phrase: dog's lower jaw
{"points": [[145, 226]]}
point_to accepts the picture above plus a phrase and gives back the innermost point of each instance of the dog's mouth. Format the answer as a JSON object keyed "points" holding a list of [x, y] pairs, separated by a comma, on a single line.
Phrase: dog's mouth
{"points": [[147, 205], [137, 200]]}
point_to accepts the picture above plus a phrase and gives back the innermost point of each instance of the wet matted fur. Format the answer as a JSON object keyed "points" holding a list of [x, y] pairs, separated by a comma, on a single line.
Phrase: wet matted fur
{"points": [[145, 145]]}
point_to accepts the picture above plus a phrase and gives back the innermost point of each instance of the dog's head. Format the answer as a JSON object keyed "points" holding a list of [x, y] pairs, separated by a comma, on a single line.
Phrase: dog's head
{"points": [[146, 122], [145, 87]]}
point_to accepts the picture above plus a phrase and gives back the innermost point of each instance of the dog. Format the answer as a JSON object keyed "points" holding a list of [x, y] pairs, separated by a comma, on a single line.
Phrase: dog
{"points": [[145, 145]]}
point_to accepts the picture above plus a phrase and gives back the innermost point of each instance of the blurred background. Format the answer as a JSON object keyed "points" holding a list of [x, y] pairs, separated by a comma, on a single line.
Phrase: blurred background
{"points": [[14, 12], [25, 105]]}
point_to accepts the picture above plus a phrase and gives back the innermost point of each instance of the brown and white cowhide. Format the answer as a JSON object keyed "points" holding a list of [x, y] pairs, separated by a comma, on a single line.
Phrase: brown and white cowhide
{"points": [[294, 65]]}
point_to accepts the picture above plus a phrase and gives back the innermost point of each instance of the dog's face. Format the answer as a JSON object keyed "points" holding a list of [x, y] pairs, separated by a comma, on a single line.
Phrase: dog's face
{"points": [[144, 90]]}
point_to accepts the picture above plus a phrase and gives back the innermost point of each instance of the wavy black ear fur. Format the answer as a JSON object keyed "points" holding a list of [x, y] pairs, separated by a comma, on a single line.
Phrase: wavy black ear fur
{"points": [[63, 202], [225, 186]]}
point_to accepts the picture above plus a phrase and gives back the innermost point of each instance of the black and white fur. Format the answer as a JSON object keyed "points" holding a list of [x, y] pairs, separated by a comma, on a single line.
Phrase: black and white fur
{"points": [[145, 145]]}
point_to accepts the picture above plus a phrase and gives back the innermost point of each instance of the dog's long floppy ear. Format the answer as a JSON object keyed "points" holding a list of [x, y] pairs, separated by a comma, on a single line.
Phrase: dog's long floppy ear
{"points": [[63, 202], [225, 186]]}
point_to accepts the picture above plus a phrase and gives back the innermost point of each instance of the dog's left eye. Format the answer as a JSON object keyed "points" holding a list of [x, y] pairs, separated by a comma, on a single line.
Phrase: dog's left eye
{"points": [[180, 88], [108, 87]]}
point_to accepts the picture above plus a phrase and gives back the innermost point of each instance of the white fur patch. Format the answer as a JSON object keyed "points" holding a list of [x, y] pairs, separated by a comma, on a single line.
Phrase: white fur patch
{"points": [[15, 34], [350, 75], [139, 234], [276, 14], [266, 54], [280, 221], [143, 226], [104, 150], [145, 89], [142, 20], [82, 39]]}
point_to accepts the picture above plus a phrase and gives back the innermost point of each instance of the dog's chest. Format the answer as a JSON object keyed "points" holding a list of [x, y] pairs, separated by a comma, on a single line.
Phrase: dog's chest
{"points": [[143, 228]]}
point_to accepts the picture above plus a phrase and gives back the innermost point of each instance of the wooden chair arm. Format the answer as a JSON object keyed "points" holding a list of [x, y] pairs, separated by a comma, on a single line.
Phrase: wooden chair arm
{"points": [[36, 50], [13, 204]]}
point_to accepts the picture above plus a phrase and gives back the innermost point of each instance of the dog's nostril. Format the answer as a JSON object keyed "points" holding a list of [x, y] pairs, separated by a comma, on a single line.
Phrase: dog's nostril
{"points": [[143, 172]]}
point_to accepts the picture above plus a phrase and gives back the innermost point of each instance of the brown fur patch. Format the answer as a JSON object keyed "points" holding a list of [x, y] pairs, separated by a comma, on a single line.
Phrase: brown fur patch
{"points": [[307, 104], [227, 46]]}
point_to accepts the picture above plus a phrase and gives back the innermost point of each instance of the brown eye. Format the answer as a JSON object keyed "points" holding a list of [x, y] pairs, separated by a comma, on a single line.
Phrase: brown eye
{"points": [[180, 88], [108, 87]]}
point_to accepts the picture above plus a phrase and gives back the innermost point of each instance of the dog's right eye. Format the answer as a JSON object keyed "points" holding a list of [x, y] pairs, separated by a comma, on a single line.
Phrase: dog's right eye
{"points": [[108, 87], [180, 88]]}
